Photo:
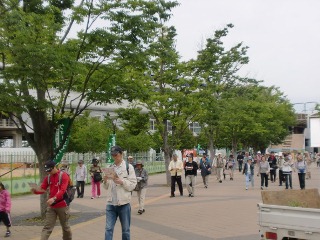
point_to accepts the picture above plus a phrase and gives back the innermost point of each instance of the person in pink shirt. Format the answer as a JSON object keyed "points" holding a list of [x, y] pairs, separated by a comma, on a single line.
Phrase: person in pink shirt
{"points": [[5, 208]]}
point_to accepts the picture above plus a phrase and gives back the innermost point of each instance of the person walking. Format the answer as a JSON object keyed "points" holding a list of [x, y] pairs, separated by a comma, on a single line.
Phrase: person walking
{"points": [[280, 163], [230, 166], [248, 171], [205, 168], [273, 166], [5, 209], [142, 183], [80, 176], [57, 206], [240, 158], [119, 190], [287, 170], [302, 169], [175, 168], [220, 165], [191, 173], [308, 161], [95, 172], [263, 170]]}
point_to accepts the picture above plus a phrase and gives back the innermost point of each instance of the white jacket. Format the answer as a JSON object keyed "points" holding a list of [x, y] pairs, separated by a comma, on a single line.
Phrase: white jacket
{"points": [[178, 164], [81, 173], [124, 190]]}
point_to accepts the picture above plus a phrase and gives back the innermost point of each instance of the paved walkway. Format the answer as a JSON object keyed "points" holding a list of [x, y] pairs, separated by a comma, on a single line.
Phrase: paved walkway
{"points": [[223, 211]]}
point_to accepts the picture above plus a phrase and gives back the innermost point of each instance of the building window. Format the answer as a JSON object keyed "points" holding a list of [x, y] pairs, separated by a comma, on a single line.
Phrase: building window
{"points": [[195, 127], [153, 125]]}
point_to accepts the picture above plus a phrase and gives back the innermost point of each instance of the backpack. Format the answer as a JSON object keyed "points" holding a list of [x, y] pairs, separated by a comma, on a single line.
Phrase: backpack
{"points": [[220, 163], [68, 196]]}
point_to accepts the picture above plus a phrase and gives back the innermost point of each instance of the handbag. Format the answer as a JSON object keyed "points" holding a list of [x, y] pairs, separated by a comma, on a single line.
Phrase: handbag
{"points": [[97, 177], [138, 187]]}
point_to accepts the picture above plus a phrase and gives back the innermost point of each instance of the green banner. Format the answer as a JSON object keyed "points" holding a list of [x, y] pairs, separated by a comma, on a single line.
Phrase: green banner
{"points": [[60, 133], [111, 142]]}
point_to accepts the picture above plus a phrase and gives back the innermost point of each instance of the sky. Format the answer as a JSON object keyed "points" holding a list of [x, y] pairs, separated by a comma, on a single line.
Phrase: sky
{"points": [[283, 37]]}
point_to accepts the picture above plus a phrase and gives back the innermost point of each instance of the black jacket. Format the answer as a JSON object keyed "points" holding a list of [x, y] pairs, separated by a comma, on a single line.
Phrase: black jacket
{"points": [[193, 167]]}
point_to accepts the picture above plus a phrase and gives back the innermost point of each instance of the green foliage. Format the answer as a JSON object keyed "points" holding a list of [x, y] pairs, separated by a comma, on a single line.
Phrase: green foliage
{"points": [[89, 134]]}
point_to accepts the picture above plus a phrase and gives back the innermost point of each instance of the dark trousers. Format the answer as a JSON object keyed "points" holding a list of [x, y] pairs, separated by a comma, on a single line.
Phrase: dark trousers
{"points": [[80, 188], [273, 175], [288, 180], [5, 218], [302, 180], [175, 179], [264, 179], [280, 177], [240, 166]]}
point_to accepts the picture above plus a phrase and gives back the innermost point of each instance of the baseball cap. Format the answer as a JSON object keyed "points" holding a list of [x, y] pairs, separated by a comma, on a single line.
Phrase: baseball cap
{"points": [[49, 165], [115, 150], [130, 157]]}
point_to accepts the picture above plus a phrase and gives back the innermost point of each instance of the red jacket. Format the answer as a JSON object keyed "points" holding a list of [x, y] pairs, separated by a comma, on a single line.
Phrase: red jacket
{"points": [[55, 189]]}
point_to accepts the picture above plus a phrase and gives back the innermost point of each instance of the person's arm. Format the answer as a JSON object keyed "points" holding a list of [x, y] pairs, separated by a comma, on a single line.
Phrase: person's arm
{"points": [[130, 182], [144, 175], [8, 202], [41, 189], [170, 166]]}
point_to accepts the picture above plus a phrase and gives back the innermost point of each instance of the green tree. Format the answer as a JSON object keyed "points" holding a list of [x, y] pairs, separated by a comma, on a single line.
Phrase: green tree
{"points": [[216, 68], [52, 74], [89, 134], [134, 133], [168, 93], [254, 116]]}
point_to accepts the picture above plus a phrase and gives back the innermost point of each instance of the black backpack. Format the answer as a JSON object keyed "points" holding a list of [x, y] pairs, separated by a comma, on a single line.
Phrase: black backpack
{"points": [[68, 196]]}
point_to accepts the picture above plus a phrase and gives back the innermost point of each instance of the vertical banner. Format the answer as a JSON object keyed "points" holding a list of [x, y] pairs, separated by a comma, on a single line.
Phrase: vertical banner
{"points": [[111, 142], [60, 133]]}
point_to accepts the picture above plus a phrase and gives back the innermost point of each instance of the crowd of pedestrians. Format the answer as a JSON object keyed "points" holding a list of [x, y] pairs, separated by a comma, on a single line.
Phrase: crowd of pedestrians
{"points": [[130, 175]]}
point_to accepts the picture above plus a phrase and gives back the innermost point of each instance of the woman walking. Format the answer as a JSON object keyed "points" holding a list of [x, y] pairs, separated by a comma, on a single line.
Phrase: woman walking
{"points": [[287, 170], [5, 208], [141, 187], [301, 166], [205, 167], [264, 170], [96, 177]]}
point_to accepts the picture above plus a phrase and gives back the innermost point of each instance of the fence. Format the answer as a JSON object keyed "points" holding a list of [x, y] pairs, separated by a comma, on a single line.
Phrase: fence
{"points": [[21, 168]]}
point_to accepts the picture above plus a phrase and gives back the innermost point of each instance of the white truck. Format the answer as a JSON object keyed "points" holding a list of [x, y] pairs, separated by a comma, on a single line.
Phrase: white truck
{"points": [[279, 222]]}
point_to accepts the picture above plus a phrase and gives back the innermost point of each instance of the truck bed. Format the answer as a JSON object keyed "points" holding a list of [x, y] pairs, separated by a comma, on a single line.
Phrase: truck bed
{"points": [[292, 222]]}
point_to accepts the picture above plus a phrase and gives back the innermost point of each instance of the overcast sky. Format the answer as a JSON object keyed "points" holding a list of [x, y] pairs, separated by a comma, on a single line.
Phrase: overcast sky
{"points": [[283, 37]]}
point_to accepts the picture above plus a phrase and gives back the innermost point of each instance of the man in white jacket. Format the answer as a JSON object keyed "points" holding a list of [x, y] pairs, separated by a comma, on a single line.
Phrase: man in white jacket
{"points": [[80, 176], [175, 168], [119, 188]]}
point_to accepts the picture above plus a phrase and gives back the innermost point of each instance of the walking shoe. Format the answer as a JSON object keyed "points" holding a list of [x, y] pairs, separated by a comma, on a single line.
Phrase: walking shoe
{"points": [[140, 212], [246, 188], [92, 197], [8, 234], [190, 194], [206, 186], [220, 181], [261, 188], [181, 194], [99, 196], [172, 196]]}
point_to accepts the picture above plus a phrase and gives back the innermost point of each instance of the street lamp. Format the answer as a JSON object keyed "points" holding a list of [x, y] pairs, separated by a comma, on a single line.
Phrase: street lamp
{"points": [[2, 64]]}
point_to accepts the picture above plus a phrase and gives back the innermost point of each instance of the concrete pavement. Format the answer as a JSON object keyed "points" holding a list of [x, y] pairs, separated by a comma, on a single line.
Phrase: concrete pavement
{"points": [[223, 211]]}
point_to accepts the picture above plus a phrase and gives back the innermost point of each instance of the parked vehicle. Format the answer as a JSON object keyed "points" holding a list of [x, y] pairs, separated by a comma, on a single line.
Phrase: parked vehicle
{"points": [[278, 222]]}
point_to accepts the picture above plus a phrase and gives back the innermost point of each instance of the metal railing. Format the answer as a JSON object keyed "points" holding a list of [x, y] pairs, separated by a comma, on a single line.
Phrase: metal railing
{"points": [[22, 168]]}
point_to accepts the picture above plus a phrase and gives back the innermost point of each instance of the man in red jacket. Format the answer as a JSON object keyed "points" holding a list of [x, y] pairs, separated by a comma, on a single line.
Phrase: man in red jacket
{"points": [[57, 206]]}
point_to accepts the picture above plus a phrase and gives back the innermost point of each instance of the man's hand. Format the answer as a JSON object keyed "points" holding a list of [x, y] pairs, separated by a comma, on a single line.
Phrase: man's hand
{"points": [[117, 180], [50, 201]]}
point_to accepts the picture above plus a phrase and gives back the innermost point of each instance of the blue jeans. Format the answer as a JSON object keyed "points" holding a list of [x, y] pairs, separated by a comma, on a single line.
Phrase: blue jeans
{"points": [[124, 214], [249, 178]]}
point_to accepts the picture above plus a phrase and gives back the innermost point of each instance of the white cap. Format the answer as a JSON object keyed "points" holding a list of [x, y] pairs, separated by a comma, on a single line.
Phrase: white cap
{"points": [[258, 152]]}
